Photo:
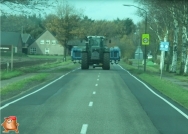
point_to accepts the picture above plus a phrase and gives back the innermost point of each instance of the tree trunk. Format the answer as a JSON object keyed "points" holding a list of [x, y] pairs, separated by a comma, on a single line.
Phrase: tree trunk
{"points": [[65, 51], [174, 56], [184, 55], [186, 65]]}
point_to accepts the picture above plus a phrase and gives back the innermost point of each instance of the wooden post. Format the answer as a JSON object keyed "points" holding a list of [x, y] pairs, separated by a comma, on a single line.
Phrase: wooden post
{"points": [[7, 65], [12, 52]]}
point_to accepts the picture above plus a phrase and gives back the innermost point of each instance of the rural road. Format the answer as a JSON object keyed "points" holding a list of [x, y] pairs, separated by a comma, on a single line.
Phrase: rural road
{"points": [[96, 101]]}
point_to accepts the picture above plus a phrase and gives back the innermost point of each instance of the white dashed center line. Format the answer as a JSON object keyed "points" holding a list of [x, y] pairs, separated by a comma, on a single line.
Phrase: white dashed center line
{"points": [[84, 129], [90, 104], [94, 92], [96, 84], [97, 79]]}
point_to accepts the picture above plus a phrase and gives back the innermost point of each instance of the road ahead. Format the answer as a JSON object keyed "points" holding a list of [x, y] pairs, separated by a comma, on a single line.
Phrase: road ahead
{"points": [[96, 101]]}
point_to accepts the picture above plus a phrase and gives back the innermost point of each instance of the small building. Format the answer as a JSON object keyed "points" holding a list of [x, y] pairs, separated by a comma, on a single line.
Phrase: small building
{"points": [[9, 39], [46, 44], [139, 53], [27, 41]]}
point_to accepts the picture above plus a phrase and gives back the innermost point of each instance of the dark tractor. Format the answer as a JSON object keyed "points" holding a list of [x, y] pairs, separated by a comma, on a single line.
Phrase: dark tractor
{"points": [[95, 53], [115, 54]]}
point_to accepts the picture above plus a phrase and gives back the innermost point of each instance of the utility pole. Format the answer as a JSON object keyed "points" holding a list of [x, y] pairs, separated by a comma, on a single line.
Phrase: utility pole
{"points": [[145, 55]]}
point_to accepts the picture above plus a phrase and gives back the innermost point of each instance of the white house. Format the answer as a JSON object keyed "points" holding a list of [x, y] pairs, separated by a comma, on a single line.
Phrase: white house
{"points": [[46, 44]]}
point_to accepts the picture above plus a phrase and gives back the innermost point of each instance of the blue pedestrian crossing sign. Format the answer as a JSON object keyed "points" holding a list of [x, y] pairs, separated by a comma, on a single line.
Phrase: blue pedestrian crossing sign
{"points": [[164, 46], [145, 39]]}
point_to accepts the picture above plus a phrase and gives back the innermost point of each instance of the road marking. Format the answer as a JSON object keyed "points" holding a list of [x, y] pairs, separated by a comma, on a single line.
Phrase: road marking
{"points": [[96, 84], [94, 92], [84, 129], [182, 113], [97, 79], [6, 105], [90, 104], [98, 75]]}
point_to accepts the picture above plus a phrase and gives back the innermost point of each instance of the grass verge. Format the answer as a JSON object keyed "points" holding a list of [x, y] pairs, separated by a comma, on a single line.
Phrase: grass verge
{"points": [[173, 91], [25, 84], [24, 70], [18, 87]]}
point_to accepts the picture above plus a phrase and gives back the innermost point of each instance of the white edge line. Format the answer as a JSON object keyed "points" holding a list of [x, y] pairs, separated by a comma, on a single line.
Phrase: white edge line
{"points": [[84, 129], [90, 104], [182, 113], [35, 91]]}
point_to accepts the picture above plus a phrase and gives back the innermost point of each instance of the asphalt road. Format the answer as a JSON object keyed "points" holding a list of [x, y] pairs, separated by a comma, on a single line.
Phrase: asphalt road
{"points": [[96, 101]]}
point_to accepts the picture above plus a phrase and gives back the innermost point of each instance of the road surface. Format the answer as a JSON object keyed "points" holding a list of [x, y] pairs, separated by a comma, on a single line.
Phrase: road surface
{"points": [[96, 101]]}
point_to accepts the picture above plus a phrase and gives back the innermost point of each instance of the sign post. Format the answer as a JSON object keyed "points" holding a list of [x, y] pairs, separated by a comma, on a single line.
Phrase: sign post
{"points": [[145, 41], [164, 46]]}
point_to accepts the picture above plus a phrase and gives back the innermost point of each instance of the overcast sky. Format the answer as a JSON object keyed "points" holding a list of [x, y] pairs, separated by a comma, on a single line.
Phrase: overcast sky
{"points": [[94, 9], [107, 9]]}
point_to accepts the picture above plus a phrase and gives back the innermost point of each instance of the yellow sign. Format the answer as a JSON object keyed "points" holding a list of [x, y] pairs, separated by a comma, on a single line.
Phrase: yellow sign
{"points": [[145, 39]]}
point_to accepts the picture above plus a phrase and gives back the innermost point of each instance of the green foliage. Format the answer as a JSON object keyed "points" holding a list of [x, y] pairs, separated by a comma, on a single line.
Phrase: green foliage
{"points": [[10, 74], [17, 1], [127, 47], [20, 23]]}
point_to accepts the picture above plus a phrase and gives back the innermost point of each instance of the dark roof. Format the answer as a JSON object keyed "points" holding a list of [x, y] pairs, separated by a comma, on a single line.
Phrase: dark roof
{"points": [[27, 40], [25, 37], [10, 38], [76, 42]]}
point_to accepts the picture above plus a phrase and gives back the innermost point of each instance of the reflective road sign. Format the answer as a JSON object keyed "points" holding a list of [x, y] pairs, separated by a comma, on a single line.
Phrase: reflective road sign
{"points": [[145, 39]]}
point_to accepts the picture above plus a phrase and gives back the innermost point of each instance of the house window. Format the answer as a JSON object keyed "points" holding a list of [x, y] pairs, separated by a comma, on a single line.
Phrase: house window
{"points": [[53, 42], [47, 50], [47, 41], [33, 50], [42, 42]]}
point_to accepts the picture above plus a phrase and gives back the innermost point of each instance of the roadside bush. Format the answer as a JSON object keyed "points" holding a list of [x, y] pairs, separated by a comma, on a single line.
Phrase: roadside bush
{"points": [[130, 62]]}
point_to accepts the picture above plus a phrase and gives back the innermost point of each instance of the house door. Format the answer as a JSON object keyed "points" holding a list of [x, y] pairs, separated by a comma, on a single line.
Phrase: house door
{"points": [[47, 50]]}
